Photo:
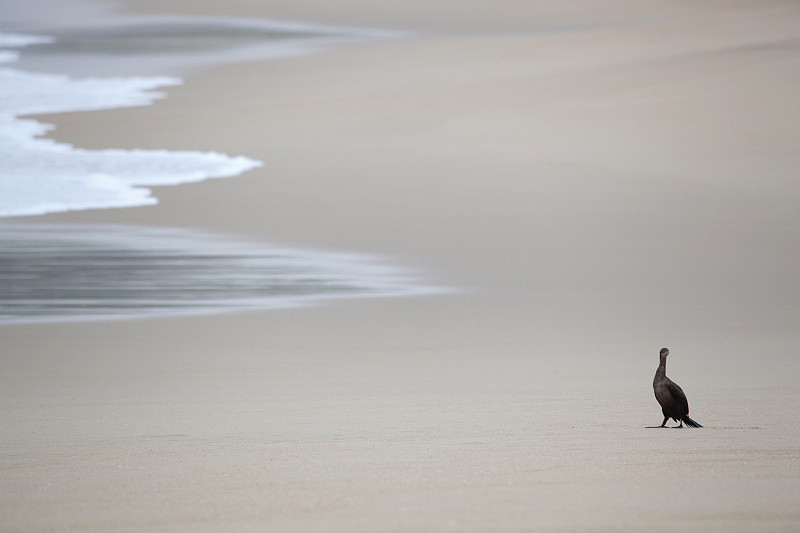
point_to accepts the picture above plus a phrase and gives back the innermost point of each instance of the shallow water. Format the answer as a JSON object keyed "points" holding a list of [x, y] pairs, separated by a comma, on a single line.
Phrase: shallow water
{"points": [[43, 176], [115, 62], [74, 272], [150, 45]]}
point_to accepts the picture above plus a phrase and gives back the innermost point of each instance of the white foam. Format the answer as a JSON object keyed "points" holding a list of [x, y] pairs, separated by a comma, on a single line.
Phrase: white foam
{"points": [[43, 176], [16, 40]]}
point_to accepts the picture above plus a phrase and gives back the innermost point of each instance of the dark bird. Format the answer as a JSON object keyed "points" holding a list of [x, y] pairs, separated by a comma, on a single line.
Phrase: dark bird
{"points": [[673, 401]]}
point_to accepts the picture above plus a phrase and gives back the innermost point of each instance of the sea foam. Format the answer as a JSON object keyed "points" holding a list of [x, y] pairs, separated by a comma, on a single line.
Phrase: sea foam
{"points": [[43, 176]]}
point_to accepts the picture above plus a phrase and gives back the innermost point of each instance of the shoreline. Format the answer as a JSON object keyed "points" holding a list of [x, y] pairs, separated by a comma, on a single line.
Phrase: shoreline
{"points": [[593, 195]]}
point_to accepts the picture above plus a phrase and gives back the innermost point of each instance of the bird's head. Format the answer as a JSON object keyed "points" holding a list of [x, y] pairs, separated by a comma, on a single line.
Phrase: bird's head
{"points": [[664, 352]]}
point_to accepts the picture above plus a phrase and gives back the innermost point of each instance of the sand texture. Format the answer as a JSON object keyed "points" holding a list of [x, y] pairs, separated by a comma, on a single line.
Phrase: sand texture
{"points": [[595, 183]]}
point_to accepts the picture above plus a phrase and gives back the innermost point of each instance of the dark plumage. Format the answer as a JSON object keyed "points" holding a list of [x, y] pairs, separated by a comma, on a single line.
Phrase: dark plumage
{"points": [[673, 401]]}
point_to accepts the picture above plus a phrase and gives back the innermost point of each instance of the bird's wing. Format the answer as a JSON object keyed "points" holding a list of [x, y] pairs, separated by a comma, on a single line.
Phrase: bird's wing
{"points": [[678, 395]]}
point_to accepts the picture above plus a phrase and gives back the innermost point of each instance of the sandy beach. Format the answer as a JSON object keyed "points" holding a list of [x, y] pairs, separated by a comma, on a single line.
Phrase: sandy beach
{"points": [[592, 183]]}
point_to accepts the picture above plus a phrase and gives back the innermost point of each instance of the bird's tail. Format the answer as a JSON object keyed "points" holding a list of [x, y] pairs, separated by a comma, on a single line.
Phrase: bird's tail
{"points": [[691, 423]]}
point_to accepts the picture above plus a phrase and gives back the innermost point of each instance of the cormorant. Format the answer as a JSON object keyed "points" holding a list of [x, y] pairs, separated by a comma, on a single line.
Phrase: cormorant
{"points": [[673, 401]]}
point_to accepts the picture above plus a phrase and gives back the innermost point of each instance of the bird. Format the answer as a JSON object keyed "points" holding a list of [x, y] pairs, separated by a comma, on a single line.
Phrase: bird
{"points": [[673, 401]]}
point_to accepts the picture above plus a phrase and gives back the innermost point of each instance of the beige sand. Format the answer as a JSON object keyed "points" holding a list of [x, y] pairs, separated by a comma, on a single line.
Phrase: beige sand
{"points": [[626, 182]]}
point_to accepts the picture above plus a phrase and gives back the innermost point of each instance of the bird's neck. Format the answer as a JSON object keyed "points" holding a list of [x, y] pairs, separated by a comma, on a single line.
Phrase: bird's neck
{"points": [[662, 367]]}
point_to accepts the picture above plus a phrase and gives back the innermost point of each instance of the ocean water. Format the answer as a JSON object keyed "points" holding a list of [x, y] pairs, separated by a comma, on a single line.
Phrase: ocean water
{"points": [[89, 272], [43, 176], [119, 62], [76, 272]]}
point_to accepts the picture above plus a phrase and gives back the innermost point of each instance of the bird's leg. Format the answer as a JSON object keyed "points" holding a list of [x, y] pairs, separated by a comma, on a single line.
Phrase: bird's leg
{"points": [[664, 423], [678, 426]]}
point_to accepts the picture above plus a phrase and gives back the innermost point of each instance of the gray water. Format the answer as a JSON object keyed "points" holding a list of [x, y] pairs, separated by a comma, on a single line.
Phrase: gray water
{"points": [[79, 272]]}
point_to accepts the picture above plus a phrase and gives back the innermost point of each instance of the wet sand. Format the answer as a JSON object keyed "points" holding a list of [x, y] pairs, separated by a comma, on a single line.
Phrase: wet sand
{"points": [[596, 185]]}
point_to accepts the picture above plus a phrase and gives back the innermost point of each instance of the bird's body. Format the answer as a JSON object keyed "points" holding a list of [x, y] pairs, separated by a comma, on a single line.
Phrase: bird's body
{"points": [[670, 396]]}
